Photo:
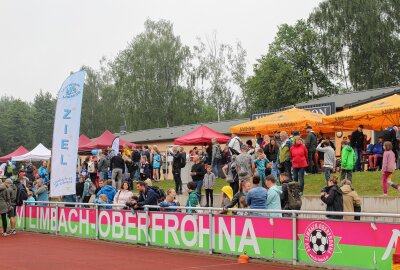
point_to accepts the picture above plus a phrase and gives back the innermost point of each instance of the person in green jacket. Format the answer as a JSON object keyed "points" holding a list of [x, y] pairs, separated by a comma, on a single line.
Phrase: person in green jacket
{"points": [[193, 199], [348, 161]]}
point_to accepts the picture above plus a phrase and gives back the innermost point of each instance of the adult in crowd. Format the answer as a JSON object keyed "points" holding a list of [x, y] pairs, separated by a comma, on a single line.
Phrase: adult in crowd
{"points": [[244, 164], [5, 206], [390, 135], [216, 158], [41, 192], [9, 169], [107, 190], [208, 151], [329, 158], [30, 172], [136, 162], [92, 168], [278, 138], [12, 190], [245, 186], [257, 196], [271, 151], [234, 144], [357, 143], [103, 165], [84, 166], [259, 140], [226, 156], [197, 172], [299, 157], [123, 195], [290, 197], [266, 140], [273, 196], [147, 196], [347, 161], [177, 165], [43, 173], [333, 198], [311, 145], [251, 149], [376, 154], [88, 190], [284, 162], [117, 167], [231, 175], [351, 200]]}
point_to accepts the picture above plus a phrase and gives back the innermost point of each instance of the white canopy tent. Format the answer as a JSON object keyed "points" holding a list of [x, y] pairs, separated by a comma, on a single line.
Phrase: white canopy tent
{"points": [[40, 152]]}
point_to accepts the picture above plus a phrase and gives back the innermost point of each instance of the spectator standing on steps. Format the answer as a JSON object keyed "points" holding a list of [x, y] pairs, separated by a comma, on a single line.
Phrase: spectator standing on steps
{"points": [[357, 143]]}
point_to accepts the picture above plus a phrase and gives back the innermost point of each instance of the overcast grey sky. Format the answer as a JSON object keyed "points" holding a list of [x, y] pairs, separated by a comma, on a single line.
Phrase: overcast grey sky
{"points": [[41, 41]]}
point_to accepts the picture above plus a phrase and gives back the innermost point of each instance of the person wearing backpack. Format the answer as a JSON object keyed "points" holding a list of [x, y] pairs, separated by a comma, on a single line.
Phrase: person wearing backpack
{"points": [[88, 189], [235, 144], [284, 162], [244, 164], [311, 145], [332, 196], [103, 165], [231, 175], [13, 192], [216, 158], [290, 197]]}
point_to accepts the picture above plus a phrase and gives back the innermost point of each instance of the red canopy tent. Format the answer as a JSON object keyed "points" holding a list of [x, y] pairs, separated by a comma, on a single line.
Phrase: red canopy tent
{"points": [[18, 152], [201, 135], [83, 139], [103, 142]]}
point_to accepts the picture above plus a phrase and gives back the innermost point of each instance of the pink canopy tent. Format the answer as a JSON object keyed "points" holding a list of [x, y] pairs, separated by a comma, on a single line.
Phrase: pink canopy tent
{"points": [[83, 139], [201, 135], [103, 142], [18, 152]]}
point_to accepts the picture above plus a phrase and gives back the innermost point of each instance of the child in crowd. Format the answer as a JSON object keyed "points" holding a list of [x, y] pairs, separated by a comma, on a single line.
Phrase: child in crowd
{"points": [[260, 164], [388, 165], [347, 161], [227, 196], [144, 168], [31, 200], [209, 183], [243, 204], [102, 200], [156, 163], [193, 199], [170, 201]]}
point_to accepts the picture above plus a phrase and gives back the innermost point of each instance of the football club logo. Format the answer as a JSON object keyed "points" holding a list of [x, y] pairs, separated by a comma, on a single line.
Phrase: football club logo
{"points": [[319, 242], [70, 91]]}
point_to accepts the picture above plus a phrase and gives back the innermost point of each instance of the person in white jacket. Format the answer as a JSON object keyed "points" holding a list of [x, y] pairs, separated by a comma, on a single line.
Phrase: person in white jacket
{"points": [[123, 195], [329, 158]]}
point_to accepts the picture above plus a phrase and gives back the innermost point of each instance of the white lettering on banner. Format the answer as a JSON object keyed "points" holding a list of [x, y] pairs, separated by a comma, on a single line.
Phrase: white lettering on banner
{"points": [[189, 218], [117, 224], [30, 225], [53, 219], [229, 235], [44, 218], [154, 226], [129, 225], [73, 229], [62, 222], [392, 243], [107, 217], [202, 231], [142, 227], [19, 217], [171, 229], [84, 221], [252, 241]]}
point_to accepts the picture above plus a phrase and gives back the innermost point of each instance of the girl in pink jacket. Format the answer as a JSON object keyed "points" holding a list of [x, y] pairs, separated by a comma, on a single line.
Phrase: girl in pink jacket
{"points": [[388, 165]]}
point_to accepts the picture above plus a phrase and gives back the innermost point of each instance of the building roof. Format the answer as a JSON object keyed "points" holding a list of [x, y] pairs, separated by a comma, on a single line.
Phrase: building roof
{"points": [[171, 133], [354, 98]]}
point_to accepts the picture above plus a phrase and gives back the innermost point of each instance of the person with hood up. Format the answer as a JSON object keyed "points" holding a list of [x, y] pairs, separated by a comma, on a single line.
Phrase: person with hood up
{"points": [[107, 190], [347, 161], [41, 192], [333, 198], [194, 197], [274, 196], [227, 196], [351, 200]]}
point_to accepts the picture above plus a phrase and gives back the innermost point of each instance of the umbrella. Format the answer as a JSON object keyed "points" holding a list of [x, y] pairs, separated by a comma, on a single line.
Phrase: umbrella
{"points": [[288, 120], [375, 115]]}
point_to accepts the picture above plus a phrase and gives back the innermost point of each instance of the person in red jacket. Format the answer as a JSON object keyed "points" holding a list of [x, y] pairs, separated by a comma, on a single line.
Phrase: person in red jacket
{"points": [[299, 155]]}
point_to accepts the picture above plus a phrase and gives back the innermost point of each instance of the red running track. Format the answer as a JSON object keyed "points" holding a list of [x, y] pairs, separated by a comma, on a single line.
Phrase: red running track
{"points": [[40, 251]]}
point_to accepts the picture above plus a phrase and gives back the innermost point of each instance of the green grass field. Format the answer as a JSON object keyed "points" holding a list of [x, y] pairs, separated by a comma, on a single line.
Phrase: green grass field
{"points": [[365, 183]]}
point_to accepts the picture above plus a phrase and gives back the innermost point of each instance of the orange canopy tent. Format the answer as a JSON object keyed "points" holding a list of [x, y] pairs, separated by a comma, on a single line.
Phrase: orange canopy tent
{"points": [[375, 115], [288, 120]]}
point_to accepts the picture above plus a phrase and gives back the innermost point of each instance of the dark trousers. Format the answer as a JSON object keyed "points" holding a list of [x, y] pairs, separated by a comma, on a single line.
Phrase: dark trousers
{"points": [[312, 167], [235, 186], [209, 197], [178, 180], [287, 168], [93, 177], [4, 221]]}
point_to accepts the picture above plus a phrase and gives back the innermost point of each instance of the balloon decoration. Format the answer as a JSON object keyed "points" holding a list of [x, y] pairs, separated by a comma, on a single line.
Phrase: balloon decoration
{"points": [[95, 152]]}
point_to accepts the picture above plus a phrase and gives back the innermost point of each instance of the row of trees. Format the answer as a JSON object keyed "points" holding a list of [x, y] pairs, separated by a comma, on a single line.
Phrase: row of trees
{"points": [[158, 81]]}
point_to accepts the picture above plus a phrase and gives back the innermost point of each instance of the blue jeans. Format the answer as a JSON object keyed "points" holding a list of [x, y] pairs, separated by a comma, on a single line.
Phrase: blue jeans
{"points": [[274, 170], [358, 152], [199, 186], [216, 167], [327, 172], [298, 175]]}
